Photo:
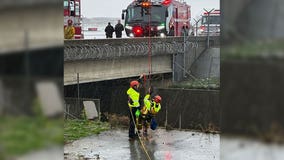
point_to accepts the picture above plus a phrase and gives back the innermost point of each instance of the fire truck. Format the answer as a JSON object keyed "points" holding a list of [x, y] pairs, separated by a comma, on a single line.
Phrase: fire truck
{"points": [[212, 20], [145, 18], [72, 10]]}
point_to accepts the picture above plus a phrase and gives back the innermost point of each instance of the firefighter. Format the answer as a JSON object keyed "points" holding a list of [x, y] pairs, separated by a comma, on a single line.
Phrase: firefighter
{"points": [[109, 30], [69, 30], [118, 29], [134, 106], [149, 111], [184, 30], [171, 30]]}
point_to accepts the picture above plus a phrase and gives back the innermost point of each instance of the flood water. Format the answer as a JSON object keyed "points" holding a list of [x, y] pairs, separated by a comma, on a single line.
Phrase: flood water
{"points": [[162, 145]]}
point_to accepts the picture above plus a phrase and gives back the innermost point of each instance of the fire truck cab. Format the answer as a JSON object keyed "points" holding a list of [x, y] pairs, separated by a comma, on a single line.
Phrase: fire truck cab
{"points": [[72, 10], [213, 21], [145, 18]]}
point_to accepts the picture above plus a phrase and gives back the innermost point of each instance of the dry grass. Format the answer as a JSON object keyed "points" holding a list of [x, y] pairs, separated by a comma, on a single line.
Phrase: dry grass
{"points": [[116, 120]]}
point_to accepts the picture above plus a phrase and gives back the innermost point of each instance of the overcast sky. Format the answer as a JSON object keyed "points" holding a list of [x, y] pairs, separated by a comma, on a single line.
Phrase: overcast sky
{"points": [[113, 8]]}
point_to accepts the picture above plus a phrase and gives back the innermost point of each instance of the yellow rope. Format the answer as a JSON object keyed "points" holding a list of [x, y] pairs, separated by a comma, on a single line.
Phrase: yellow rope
{"points": [[142, 144]]}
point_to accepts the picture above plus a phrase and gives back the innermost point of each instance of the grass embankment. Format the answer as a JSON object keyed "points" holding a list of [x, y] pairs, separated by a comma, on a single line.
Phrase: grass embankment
{"points": [[19, 135], [208, 83], [75, 129]]}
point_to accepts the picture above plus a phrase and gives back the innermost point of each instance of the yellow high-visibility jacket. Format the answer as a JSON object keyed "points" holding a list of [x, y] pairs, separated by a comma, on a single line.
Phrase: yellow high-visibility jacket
{"points": [[134, 96], [151, 106], [69, 32]]}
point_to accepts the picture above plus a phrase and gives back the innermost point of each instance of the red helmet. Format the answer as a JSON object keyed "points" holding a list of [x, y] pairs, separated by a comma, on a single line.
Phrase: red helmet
{"points": [[69, 21], [134, 83], [157, 99]]}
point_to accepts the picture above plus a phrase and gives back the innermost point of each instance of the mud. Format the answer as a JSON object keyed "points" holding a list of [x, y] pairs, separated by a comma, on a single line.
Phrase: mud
{"points": [[161, 144]]}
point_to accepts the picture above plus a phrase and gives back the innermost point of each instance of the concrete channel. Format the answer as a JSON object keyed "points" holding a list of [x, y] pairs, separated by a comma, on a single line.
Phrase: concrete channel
{"points": [[162, 144]]}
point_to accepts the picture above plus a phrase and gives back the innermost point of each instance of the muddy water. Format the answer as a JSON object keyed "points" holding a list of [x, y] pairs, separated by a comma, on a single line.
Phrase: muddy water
{"points": [[161, 145]]}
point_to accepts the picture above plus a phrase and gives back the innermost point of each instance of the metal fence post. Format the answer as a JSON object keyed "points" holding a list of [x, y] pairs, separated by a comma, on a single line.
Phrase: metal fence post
{"points": [[208, 16], [173, 68], [166, 123], [184, 48], [99, 109], [78, 90], [179, 121]]}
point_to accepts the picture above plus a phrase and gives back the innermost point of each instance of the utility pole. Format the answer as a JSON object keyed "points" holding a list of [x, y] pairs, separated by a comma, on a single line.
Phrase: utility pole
{"points": [[208, 16]]}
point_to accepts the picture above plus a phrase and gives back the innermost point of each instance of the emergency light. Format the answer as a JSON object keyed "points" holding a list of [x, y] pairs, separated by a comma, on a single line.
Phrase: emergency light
{"points": [[138, 31], [166, 2]]}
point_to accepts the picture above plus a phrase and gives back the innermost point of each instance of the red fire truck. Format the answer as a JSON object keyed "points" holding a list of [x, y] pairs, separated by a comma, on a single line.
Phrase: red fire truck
{"points": [[72, 10], [212, 20], [156, 18]]}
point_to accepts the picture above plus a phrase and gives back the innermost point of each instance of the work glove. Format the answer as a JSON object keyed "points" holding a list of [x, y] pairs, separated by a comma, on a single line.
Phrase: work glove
{"points": [[137, 113], [141, 76]]}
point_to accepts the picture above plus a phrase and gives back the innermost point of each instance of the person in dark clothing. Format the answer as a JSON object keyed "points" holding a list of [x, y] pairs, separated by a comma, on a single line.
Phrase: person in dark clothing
{"points": [[109, 30], [118, 29], [172, 30], [184, 31]]}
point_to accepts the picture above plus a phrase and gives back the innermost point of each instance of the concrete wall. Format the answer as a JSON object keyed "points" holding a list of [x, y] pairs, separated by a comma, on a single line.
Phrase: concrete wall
{"points": [[98, 70], [208, 64]]}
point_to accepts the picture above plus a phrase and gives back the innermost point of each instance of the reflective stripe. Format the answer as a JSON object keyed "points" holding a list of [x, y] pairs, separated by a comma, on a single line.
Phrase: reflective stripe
{"points": [[154, 109]]}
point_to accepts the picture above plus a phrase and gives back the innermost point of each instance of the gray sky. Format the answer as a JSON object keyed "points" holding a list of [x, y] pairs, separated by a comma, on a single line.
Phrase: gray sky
{"points": [[113, 8]]}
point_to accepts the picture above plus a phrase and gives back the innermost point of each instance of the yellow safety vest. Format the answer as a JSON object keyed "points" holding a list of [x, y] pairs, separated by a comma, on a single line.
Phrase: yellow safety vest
{"points": [[151, 106], [155, 108], [134, 95], [69, 32], [147, 101]]}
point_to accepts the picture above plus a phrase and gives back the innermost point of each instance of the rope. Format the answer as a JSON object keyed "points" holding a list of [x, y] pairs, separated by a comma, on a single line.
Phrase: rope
{"points": [[136, 130], [149, 49]]}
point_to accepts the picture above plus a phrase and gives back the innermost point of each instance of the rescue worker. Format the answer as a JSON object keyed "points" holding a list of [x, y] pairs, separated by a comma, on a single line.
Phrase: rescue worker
{"points": [[172, 30], [69, 30], [118, 29], [109, 30], [149, 111], [134, 106], [184, 30]]}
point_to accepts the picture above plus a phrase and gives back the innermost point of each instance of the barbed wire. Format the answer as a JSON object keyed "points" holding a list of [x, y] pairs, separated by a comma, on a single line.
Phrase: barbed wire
{"points": [[104, 51]]}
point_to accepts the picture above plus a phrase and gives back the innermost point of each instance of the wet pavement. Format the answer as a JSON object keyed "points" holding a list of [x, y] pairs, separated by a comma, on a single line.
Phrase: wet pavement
{"points": [[161, 145]]}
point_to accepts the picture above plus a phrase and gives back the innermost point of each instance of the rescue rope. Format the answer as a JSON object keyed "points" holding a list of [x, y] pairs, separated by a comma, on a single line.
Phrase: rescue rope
{"points": [[141, 142], [149, 48]]}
